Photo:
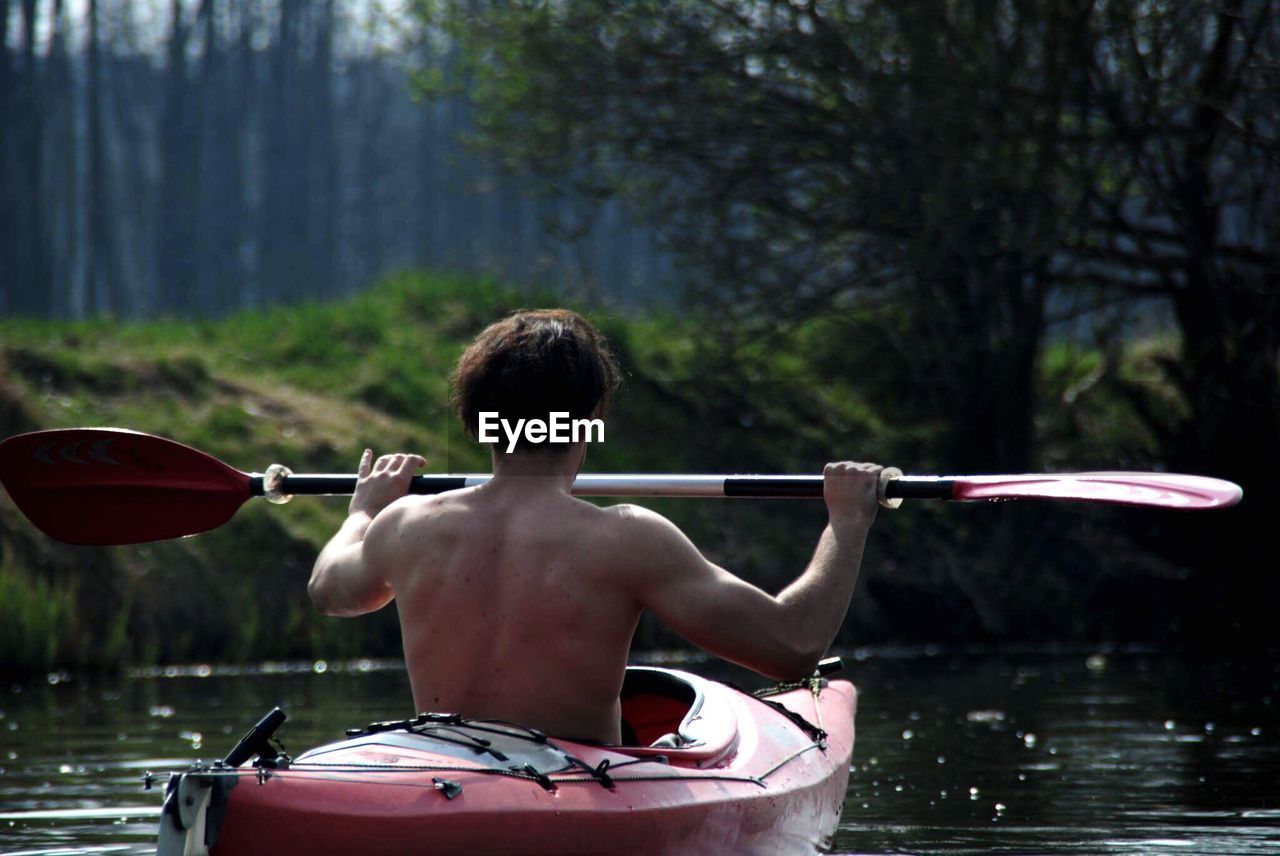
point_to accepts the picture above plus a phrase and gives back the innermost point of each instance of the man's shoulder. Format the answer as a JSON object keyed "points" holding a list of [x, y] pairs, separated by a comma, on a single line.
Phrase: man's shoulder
{"points": [[628, 512], [410, 511], [645, 542], [406, 522], [637, 521], [411, 505]]}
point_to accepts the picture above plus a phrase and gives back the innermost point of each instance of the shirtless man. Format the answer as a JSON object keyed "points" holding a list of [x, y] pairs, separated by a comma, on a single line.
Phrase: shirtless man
{"points": [[518, 601]]}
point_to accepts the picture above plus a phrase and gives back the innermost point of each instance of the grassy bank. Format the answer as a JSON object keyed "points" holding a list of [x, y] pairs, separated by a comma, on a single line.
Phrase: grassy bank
{"points": [[311, 386], [307, 386]]}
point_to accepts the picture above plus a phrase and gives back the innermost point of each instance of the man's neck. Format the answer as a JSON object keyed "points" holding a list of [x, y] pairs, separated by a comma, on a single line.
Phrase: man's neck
{"points": [[537, 470]]}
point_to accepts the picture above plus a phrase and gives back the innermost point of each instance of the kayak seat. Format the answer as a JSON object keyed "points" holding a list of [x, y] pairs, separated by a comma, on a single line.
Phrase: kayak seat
{"points": [[654, 704], [665, 712]]}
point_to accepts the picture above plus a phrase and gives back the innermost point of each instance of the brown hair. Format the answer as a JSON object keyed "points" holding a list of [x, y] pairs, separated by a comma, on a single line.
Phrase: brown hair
{"points": [[531, 364]]}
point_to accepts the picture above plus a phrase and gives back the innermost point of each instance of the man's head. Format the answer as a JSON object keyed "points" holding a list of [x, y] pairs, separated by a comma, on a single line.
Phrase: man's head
{"points": [[532, 364]]}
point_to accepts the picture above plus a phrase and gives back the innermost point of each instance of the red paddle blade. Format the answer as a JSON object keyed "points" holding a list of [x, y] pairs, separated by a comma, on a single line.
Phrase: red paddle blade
{"points": [[111, 486], [1158, 490]]}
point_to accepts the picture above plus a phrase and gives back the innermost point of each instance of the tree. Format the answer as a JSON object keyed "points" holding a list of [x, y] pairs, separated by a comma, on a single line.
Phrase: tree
{"points": [[285, 197], [64, 162], [961, 170], [1188, 128], [1185, 211], [103, 289], [221, 207], [180, 182], [30, 239], [9, 238], [8, 226], [323, 228], [808, 156]]}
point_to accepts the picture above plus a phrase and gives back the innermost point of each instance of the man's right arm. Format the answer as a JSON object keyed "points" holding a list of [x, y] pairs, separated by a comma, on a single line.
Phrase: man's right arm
{"points": [[782, 636]]}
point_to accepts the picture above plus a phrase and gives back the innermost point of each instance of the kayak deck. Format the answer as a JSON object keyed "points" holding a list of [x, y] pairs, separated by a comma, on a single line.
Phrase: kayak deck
{"points": [[713, 770]]}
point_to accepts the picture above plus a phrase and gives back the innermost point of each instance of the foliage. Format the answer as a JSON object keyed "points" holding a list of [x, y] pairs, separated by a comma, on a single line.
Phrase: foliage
{"points": [[36, 621]]}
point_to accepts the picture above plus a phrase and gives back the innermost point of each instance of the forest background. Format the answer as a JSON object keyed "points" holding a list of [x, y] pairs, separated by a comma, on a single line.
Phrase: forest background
{"points": [[965, 236]]}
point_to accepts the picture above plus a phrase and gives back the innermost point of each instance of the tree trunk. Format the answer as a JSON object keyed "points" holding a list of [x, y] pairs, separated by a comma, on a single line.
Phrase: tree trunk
{"points": [[177, 239], [100, 292], [33, 292], [9, 269], [324, 209], [285, 204], [63, 195]]}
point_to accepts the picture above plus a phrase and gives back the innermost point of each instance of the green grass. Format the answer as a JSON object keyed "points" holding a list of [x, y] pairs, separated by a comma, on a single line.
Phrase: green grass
{"points": [[37, 621]]}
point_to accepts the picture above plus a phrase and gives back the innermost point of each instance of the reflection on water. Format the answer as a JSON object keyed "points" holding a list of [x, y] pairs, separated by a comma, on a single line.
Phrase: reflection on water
{"points": [[1115, 753], [1121, 752]]}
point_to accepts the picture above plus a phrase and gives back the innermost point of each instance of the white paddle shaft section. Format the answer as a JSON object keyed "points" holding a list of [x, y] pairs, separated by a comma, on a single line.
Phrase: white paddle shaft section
{"points": [[637, 484]]}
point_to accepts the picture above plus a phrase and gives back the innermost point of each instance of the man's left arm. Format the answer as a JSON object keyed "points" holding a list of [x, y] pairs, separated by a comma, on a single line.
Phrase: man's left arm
{"points": [[346, 579]]}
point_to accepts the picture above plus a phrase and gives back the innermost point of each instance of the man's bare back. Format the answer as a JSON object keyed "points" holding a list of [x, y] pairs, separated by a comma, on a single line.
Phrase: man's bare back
{"points": [[519, 602], [511, 605]]}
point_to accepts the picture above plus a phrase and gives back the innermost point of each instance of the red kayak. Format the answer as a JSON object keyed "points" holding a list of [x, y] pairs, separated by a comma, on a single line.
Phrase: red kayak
{"points": [[713, 770]]}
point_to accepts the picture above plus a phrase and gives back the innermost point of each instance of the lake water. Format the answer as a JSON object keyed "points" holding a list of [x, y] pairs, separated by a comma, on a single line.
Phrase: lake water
{"points": [[957, 751]]}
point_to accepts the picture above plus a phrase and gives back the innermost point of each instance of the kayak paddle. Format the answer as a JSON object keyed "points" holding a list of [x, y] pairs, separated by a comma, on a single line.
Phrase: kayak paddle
{"points": [[113, 486]]}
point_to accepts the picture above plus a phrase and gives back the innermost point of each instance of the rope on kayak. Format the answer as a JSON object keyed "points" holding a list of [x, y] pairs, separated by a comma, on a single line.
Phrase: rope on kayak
{"points": [[530, 774], [454, 728], [600, 772], [445, 734], [785, 761], [427, 723]]}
